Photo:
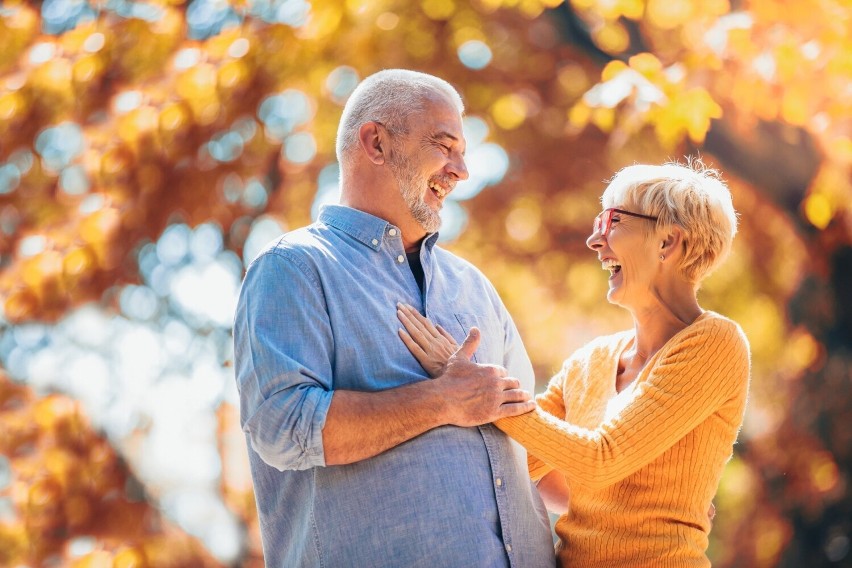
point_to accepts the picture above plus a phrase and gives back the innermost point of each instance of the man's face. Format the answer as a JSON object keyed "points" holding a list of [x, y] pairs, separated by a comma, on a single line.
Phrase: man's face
{"points": [[429, 161]]}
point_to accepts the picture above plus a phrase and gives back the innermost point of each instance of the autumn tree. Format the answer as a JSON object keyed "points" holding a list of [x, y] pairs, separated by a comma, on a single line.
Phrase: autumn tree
{"points": [[121, 121]]}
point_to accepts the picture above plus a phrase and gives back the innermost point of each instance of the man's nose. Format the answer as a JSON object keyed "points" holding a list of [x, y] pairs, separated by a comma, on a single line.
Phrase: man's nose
{"points": [[458, 168]]}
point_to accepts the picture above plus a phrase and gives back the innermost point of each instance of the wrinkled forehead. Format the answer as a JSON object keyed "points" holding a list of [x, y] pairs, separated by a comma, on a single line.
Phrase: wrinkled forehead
{"points": [[439, 114]]}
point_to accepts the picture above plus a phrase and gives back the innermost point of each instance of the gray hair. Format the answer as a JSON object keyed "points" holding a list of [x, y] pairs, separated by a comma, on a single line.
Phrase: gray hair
{"points": [[390, 97]]}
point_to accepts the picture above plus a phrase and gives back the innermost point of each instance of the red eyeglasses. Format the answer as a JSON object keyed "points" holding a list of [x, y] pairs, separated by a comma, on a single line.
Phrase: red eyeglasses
{"points": [[604, 219]]}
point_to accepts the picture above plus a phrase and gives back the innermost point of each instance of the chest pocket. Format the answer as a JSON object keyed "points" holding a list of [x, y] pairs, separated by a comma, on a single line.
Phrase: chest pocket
{"points": [[492, 342]]}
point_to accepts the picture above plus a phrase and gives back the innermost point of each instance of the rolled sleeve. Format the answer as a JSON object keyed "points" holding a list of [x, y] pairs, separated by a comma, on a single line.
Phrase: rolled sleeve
{"points": [[283, 356]]}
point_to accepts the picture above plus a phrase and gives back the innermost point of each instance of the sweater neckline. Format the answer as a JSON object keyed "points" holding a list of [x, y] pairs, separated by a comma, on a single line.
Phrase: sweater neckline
{"points": [[628, 337]]}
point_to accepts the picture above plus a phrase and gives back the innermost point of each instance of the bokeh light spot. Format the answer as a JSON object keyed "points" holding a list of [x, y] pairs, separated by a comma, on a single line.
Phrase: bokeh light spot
{"points": [[173, 245], [282, 112], [61, 15], [438, 9], [59, 145], [509, 111], [74, 181], [255, 195], [262, 231], [139, 302], [10, 178], [239, 48], [387, 21], [32, 245], [474, 54], [300, 148], [127, 101], [226, 147], [341, 82], [94, 42], [207, 18], [187, 57]]}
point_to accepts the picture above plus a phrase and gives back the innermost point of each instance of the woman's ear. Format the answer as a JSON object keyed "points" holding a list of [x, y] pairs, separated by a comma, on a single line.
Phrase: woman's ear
{"points": [[672, 242], [373, 141]]}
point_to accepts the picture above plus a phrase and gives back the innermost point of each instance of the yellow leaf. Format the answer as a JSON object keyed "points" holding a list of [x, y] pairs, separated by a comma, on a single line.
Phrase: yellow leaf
{"points": [[795, 107], [646, 63], [669, 14], [632, 9], [579, 115], [603, 118], [613, 69], [612, 37], [818, 210]]}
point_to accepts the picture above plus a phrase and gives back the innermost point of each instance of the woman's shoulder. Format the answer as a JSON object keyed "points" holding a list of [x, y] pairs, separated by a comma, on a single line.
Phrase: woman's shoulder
{"points": [[601, 349], [714, 327]]}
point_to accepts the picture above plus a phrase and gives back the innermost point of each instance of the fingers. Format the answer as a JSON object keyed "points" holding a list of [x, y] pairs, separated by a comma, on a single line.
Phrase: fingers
{"points": [[418, 321], [423, 321], [470, 344], [516, 395], [415, 349], [448, 337], [509, 383], [516, 408], [413, 328]]}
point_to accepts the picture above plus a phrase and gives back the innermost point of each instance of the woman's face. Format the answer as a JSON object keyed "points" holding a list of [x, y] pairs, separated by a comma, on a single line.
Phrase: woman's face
{"points": [[629, 249]]}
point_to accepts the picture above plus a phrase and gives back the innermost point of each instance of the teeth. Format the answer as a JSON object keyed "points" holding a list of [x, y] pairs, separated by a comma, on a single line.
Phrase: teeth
{"points": [[438, 189], [610, 264]]}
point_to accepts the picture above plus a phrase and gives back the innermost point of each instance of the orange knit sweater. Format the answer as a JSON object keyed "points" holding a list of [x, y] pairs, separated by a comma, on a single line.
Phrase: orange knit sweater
{"points": [[642, 478]]}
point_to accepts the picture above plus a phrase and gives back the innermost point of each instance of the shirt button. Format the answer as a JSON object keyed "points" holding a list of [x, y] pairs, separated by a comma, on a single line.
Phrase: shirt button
{"points": [[400, 259], [392, 232], [499, 482], [375, 242], [508, 548]]}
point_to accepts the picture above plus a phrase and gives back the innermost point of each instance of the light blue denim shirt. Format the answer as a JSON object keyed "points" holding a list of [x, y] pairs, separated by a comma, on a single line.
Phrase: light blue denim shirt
{"points": [[317, 312]]}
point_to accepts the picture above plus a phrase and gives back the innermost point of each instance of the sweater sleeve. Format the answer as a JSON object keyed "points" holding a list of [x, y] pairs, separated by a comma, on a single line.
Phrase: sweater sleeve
{"points": [[552, 402], [706, 365]]}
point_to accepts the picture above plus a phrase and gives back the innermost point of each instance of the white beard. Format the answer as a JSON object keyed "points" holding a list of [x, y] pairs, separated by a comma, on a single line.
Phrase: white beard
{"points": [[411, 186]]}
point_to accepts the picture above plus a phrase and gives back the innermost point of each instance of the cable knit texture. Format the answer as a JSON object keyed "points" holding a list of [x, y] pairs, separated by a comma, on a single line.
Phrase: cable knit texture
{"points": [[642, 480]]}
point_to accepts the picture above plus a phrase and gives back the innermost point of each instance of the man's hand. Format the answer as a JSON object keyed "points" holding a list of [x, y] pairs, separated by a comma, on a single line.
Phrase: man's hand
{"points": [[479, 394]]}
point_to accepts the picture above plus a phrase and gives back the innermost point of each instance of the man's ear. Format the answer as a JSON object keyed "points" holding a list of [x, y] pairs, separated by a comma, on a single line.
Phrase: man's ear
{"points": [[374, 142]]}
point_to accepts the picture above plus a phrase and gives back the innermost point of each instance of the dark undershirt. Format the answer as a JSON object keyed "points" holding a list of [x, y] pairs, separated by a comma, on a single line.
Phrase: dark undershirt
{"points": [[416, 268]]}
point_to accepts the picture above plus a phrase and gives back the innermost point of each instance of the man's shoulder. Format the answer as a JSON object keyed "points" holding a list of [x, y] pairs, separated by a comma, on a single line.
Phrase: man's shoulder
{"points": [[458, 265], [297, 245]]}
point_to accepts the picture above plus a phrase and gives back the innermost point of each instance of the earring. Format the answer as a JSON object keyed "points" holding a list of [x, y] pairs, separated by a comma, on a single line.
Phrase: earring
{"points": [[662, 257]]}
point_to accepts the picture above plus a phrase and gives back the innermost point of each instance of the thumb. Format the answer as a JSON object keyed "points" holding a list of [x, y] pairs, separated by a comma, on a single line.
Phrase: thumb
{"points": [[470, 344]]}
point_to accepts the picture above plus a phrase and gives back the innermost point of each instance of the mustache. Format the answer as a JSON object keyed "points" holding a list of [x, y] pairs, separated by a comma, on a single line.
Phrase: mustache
{"points": [[444, 181]]}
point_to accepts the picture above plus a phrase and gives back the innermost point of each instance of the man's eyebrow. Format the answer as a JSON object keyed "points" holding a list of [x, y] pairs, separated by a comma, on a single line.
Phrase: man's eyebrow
{"points": [[444, 134]]}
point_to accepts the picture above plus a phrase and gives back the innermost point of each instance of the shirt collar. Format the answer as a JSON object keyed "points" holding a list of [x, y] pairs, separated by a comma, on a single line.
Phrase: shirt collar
{"points": [[363, 227]]}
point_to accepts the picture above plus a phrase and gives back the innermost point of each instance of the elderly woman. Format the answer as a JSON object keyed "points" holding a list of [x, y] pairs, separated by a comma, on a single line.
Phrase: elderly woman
{"points": [[640, 423]]}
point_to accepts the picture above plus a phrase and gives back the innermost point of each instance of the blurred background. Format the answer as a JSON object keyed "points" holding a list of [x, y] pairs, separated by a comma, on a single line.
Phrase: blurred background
{"points": [[149, 149]]}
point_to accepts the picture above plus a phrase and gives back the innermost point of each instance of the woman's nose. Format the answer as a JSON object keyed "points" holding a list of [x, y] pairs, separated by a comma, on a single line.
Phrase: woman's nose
{"points": [[595, 240]]}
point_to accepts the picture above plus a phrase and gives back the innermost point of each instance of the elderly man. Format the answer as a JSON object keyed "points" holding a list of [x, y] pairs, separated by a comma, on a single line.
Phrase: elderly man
{"points": [[357, 458]]}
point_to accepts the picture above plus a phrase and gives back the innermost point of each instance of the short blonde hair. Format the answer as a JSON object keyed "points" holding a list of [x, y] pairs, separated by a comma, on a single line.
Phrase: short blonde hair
{"points": [[691, 196]]}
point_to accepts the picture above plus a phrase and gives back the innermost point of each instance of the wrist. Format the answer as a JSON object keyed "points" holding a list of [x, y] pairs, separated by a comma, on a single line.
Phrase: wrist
{"points": [[437, 400]]}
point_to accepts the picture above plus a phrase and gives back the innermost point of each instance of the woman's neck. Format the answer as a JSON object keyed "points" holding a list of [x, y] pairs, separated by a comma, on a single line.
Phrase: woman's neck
{"points": [[659, 322]]}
